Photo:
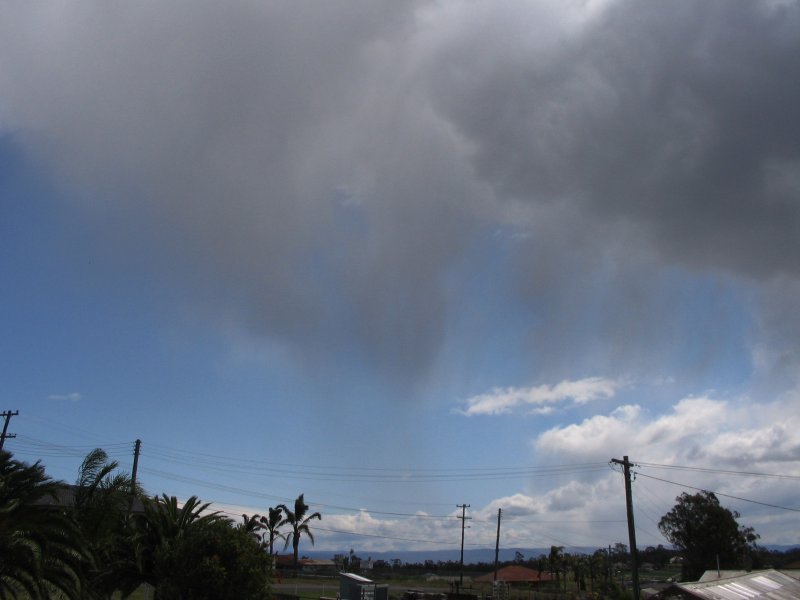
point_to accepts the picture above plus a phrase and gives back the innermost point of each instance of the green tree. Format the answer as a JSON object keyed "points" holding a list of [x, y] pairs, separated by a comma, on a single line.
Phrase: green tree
{"points": [[298, 521], [272, 523], [214, 561], [599, 567], [703, 530], [145, 556], [556, 562], [41, 549]]}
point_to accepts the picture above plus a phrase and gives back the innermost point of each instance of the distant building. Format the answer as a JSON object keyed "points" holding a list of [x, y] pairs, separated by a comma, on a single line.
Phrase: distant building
{"points": [[305, 564], [65, 498], [516, 574]]}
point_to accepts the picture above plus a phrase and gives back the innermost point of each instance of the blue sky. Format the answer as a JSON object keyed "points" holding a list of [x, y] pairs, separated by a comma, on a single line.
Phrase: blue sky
{"points": [[400, 257]]}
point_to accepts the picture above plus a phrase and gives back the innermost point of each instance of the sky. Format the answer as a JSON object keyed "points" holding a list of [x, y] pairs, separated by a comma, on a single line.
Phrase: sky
{"points": [[403, 256]]}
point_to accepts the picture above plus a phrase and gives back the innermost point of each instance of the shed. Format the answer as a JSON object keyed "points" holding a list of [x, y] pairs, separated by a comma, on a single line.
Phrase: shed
{"points": [[758, 585], [355, 587]]}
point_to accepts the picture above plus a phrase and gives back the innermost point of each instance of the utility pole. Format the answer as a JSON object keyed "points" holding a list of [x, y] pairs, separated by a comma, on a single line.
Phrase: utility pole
{"points": [[463, 518], [137, 446], [497, 543], [626, 466], [7, 414]]}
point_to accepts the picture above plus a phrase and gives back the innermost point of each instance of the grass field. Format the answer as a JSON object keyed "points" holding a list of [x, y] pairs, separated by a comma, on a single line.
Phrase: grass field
{"points": [[314, 587]]}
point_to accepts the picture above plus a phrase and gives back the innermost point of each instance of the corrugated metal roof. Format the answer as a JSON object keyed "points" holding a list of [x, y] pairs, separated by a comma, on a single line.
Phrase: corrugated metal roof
{"points": [[759, 585], [714, 575], [356, 578]]}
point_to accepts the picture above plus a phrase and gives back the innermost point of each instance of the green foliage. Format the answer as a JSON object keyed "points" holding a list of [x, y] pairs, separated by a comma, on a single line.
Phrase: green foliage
{"points": [[186, 552], [213, 561], [703, 530], [97, 548], [152, 536], [41, 549], [102, 498]]}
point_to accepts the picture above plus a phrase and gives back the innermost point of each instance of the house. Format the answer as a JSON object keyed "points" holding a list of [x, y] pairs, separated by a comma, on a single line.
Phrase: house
{"points": [[516, 574], [65, 498], [356, 587], [305, 564]]}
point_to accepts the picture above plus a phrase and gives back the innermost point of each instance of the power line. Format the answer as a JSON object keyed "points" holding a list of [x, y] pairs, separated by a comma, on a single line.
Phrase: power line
{"points": [[361, 474], [78, 447], [255, 494], [386, 537], [691, 487], [720, 471], [55, 424]]}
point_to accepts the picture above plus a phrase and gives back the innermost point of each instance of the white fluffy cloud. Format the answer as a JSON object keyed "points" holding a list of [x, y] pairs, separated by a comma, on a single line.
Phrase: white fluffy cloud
{"points": [[542, 397], [736, 448], [696, 428], [628, 429], [72, 397]]}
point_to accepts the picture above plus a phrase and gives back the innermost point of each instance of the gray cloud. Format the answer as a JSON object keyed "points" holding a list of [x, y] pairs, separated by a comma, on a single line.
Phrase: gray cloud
{"points": [[316, 174], [678, 119], [638, 145]]}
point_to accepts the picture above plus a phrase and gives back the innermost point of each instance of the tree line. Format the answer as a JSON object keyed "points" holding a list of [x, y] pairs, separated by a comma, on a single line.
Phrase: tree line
{"points": [[104, 536], [703, 534]]}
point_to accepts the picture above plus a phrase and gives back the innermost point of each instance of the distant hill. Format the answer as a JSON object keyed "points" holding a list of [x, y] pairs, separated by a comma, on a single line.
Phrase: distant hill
{"points": [[471, 556]]}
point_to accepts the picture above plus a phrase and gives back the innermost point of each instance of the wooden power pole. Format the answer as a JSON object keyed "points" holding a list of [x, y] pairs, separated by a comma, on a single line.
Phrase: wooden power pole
{"points": [[7, 414], [463, 518], [497, 543], [137, 446], [626, 467]]}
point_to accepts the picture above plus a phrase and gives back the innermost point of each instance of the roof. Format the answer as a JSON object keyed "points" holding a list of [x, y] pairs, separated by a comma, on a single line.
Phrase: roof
{"points": [[65, 497], [288, 560], [758, 585], [515, 574], [356, 578], [714, 575]]}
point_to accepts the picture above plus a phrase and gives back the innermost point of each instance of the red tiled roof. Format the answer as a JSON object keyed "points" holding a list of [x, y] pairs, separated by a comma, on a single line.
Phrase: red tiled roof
{"points": [[515, 574]]}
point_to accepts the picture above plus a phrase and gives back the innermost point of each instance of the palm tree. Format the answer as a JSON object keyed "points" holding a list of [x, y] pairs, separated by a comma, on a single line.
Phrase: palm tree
{"points": [[152, 537], [298, 521], [101, 496], [252, 525], [41, 549], [271, 524], [102, 499]]}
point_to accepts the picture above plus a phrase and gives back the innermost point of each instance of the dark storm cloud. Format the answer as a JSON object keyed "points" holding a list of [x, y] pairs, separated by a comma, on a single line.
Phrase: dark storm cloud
{"points": [[317, 170], [651, 152], [679, 118], [271, 155]]}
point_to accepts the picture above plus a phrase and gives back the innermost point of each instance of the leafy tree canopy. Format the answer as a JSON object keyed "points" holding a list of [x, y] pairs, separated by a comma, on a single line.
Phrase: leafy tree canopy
{"points": [[214, 561], [703, 530]]}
